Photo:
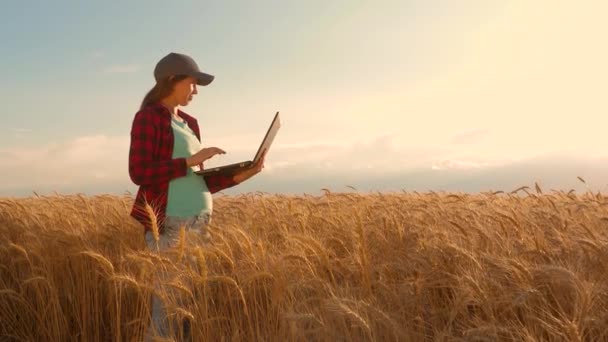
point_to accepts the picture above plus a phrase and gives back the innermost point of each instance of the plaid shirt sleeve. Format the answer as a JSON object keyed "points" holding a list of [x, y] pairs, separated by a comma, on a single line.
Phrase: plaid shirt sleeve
{"points": [[144, 167]]}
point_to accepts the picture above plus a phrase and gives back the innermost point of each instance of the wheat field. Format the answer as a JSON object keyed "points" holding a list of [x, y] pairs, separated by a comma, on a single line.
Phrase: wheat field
{"points": [[516, 266]]}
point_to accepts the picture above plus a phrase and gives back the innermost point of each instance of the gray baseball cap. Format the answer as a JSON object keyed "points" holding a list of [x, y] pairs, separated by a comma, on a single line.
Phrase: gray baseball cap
{"points": [[180, 64]]}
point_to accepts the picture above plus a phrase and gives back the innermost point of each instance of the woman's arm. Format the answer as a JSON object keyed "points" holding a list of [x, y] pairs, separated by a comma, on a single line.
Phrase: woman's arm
{"points": [[143, 168], [244, 175], [217, 183]]}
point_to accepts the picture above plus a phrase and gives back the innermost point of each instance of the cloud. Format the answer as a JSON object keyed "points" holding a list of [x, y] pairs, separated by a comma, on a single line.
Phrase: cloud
{"points": [[89, 161], [379, 153], [80, 161], [470, 137], [97, 54], [555, 172], [99, 164], [21, 130], [122, 69], [20, 133], [458, 164]]}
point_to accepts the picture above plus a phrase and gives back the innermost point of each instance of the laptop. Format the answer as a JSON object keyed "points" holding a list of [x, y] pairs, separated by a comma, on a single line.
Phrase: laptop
{"points": [[264, 146]]}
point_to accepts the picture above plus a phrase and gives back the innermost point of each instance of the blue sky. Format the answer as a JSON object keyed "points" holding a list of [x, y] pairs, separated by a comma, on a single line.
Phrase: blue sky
{"points": [[386, 94]]}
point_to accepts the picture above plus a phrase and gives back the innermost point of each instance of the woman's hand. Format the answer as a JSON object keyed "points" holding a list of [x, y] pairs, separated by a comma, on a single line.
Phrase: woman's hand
{"points": [[244, 175], [199, 157]]}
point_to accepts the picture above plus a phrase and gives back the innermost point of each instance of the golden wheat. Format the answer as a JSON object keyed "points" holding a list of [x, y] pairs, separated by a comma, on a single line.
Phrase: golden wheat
{"points": [[494, 266]]}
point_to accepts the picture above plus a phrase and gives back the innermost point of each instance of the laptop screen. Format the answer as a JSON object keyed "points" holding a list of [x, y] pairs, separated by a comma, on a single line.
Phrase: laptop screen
{"points": [[270, 134]]}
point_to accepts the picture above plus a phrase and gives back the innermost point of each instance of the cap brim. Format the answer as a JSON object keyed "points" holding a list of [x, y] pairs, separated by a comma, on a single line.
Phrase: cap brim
{"points": [[202, 78]]}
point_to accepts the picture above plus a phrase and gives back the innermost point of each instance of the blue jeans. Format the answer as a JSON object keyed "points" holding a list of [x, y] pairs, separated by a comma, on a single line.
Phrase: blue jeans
{"points": [[196, 225]]}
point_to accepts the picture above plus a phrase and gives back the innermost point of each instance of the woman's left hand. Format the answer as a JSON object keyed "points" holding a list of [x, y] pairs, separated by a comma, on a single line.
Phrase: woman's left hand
{"points": [[244, 175]]}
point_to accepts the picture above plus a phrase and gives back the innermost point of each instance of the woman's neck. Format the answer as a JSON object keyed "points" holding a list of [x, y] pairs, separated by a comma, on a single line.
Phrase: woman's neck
{"points": [[170, 105]]}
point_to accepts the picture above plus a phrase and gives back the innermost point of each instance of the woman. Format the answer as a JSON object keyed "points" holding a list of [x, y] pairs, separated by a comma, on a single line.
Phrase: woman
{"points": [[165, 147]]}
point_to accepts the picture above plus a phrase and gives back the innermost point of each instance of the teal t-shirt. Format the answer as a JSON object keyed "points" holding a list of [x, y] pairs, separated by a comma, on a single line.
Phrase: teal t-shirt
{"points": [[188, 195]]}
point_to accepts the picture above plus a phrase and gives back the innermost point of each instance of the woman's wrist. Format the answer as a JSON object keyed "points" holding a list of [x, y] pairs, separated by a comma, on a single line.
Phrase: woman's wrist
{"points": [[190, 162]]}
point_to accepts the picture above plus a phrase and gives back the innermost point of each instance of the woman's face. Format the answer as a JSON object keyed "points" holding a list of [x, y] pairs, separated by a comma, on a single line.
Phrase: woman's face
{"points": [[184, 90]]}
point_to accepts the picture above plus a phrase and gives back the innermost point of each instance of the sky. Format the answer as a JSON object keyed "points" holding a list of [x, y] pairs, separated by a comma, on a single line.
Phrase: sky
{"points": [[469, 95]]}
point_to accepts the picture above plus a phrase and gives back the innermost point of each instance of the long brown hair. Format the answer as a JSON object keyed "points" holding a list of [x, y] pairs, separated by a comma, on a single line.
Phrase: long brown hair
{"points": [[161, 89]]}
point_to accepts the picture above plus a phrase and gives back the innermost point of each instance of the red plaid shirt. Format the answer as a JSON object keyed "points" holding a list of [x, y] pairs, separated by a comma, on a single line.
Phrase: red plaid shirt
{"points": [[151, 165]]}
